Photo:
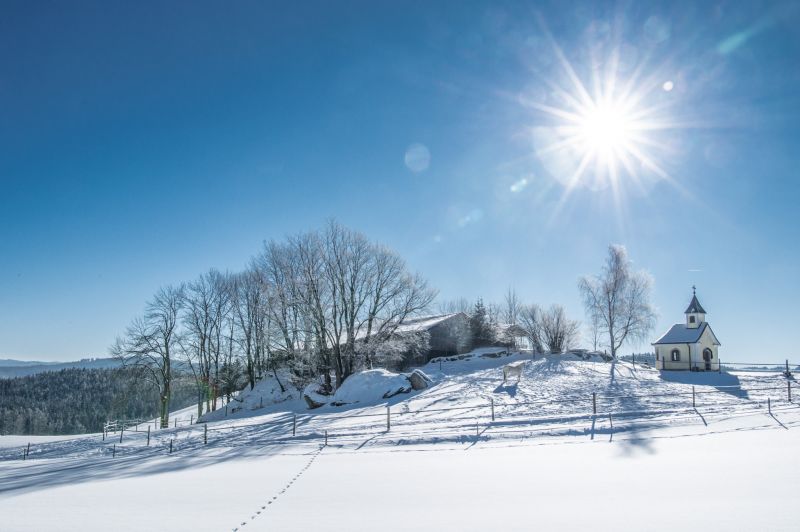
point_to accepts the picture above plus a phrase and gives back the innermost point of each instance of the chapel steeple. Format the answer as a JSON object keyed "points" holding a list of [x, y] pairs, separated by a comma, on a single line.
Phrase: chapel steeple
{"points": [[695, 313]]}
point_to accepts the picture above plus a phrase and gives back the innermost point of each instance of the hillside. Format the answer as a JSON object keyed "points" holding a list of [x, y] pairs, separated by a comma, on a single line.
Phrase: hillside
{"points": [[10, 368], [80, 400], [441, 456]]}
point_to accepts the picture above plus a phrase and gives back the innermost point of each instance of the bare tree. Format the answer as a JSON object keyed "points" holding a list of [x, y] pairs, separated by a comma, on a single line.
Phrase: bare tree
{"points": [[322, 303], [313, 295], [247, 305], [394, 295], [455, 306], [618, 300], [594, 330], [511, 307], [530, 319], [493, 313], [558, 332], [198, 320], [372, 293], [151, 342]]}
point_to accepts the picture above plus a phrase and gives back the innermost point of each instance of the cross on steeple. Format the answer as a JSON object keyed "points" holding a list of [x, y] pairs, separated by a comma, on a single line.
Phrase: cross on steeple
{"points": [[694, 290]]}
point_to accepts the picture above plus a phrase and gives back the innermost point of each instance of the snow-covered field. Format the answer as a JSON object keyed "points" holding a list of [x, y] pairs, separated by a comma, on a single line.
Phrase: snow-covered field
{"points": [[545, 462]]}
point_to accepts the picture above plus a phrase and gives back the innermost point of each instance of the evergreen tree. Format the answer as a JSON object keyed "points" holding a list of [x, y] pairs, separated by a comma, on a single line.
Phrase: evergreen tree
{"points": [[481, 330], [77, 400]]}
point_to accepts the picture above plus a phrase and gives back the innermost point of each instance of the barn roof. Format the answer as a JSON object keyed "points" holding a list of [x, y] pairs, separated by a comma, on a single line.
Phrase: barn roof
{"points": [[681, 334], [424, 323]]}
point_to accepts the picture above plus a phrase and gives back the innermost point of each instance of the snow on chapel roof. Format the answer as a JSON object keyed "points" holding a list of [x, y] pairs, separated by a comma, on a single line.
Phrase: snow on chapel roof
{"points": [[681, 334]]}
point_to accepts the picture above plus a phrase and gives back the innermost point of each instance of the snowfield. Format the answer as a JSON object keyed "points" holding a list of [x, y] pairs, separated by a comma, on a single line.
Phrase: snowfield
{"points": [[435, 459]]}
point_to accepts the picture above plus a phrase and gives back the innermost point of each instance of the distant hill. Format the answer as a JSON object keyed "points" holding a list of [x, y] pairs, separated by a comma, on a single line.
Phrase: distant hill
{"points": [[20, 368]]}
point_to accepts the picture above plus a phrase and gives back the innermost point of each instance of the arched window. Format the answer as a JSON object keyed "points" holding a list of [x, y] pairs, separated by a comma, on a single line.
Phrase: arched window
{"points": [[676, 355], [708, 354]]}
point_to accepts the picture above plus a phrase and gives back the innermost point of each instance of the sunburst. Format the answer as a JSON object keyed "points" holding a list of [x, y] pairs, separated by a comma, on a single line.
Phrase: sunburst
{"points": [[607, 130]]}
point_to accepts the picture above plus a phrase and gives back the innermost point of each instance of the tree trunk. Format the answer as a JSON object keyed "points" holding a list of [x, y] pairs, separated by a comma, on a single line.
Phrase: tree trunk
{"points": [[165, 407]]}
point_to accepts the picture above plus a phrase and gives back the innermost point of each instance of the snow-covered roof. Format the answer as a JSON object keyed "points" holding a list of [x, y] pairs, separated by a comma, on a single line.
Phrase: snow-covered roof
{"points": [[410, 325], [424, 323], [681, 334]]}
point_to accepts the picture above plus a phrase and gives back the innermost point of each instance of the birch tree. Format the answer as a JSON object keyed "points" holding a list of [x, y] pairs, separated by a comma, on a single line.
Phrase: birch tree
{"points": [[618, 300]]}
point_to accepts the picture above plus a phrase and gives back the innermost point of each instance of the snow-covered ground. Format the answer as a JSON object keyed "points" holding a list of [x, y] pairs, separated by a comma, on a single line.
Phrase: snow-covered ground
{"points": [[545, 462]]}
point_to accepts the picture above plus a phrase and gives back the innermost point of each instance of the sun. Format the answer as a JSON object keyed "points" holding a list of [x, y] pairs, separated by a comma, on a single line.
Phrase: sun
{"points": [[606, 130]]}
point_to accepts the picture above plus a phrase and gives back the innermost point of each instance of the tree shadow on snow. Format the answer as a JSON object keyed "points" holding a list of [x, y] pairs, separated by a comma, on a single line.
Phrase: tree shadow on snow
{"points": [[135, 459]]}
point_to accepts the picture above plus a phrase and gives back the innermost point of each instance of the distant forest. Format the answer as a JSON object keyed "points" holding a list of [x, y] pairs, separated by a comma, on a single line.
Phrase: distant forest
{"points": [[75, 401]]}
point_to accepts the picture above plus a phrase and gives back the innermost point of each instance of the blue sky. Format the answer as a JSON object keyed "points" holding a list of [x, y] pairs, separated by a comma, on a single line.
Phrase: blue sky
{"points": [[144, 144]]}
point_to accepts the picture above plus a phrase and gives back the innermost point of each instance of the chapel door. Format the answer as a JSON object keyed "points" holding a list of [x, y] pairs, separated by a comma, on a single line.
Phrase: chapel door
{"points": [[707, 356]]}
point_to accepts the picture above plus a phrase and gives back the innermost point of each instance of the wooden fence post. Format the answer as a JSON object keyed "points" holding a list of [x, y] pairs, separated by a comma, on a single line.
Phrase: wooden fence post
{"points": [[121, 432], [611, 422], [787, 367], [191, 419], [170, 446], [769, 406], [104, 433], [594, 402], [205, 433], [693, 401], [326, 438], [148, 435], [261, 402], [388, 418], [492, 408], [226, 410], [175, 425], [24, 456], [789, 390], [294, 424], [114, 450], [28, 450]]}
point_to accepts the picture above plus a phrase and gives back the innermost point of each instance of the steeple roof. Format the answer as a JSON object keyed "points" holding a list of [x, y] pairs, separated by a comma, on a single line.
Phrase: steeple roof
{"points": [[695, 307]]}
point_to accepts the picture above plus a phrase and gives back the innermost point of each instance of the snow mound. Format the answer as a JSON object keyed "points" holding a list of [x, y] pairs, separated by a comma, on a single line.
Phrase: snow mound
{"points": [[370, 386], [268, 394]]}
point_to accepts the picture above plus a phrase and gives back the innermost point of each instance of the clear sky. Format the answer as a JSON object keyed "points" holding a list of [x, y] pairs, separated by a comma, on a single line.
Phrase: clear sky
{"points": [[143, 143]]}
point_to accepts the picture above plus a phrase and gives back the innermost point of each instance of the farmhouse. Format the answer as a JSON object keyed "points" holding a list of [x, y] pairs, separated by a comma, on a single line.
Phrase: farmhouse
{"points": [[691, 345], [448, 334]]}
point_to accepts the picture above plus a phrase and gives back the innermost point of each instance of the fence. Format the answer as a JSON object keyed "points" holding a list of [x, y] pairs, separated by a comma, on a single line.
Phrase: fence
{"points": [[784, 367], [472, 420]]}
